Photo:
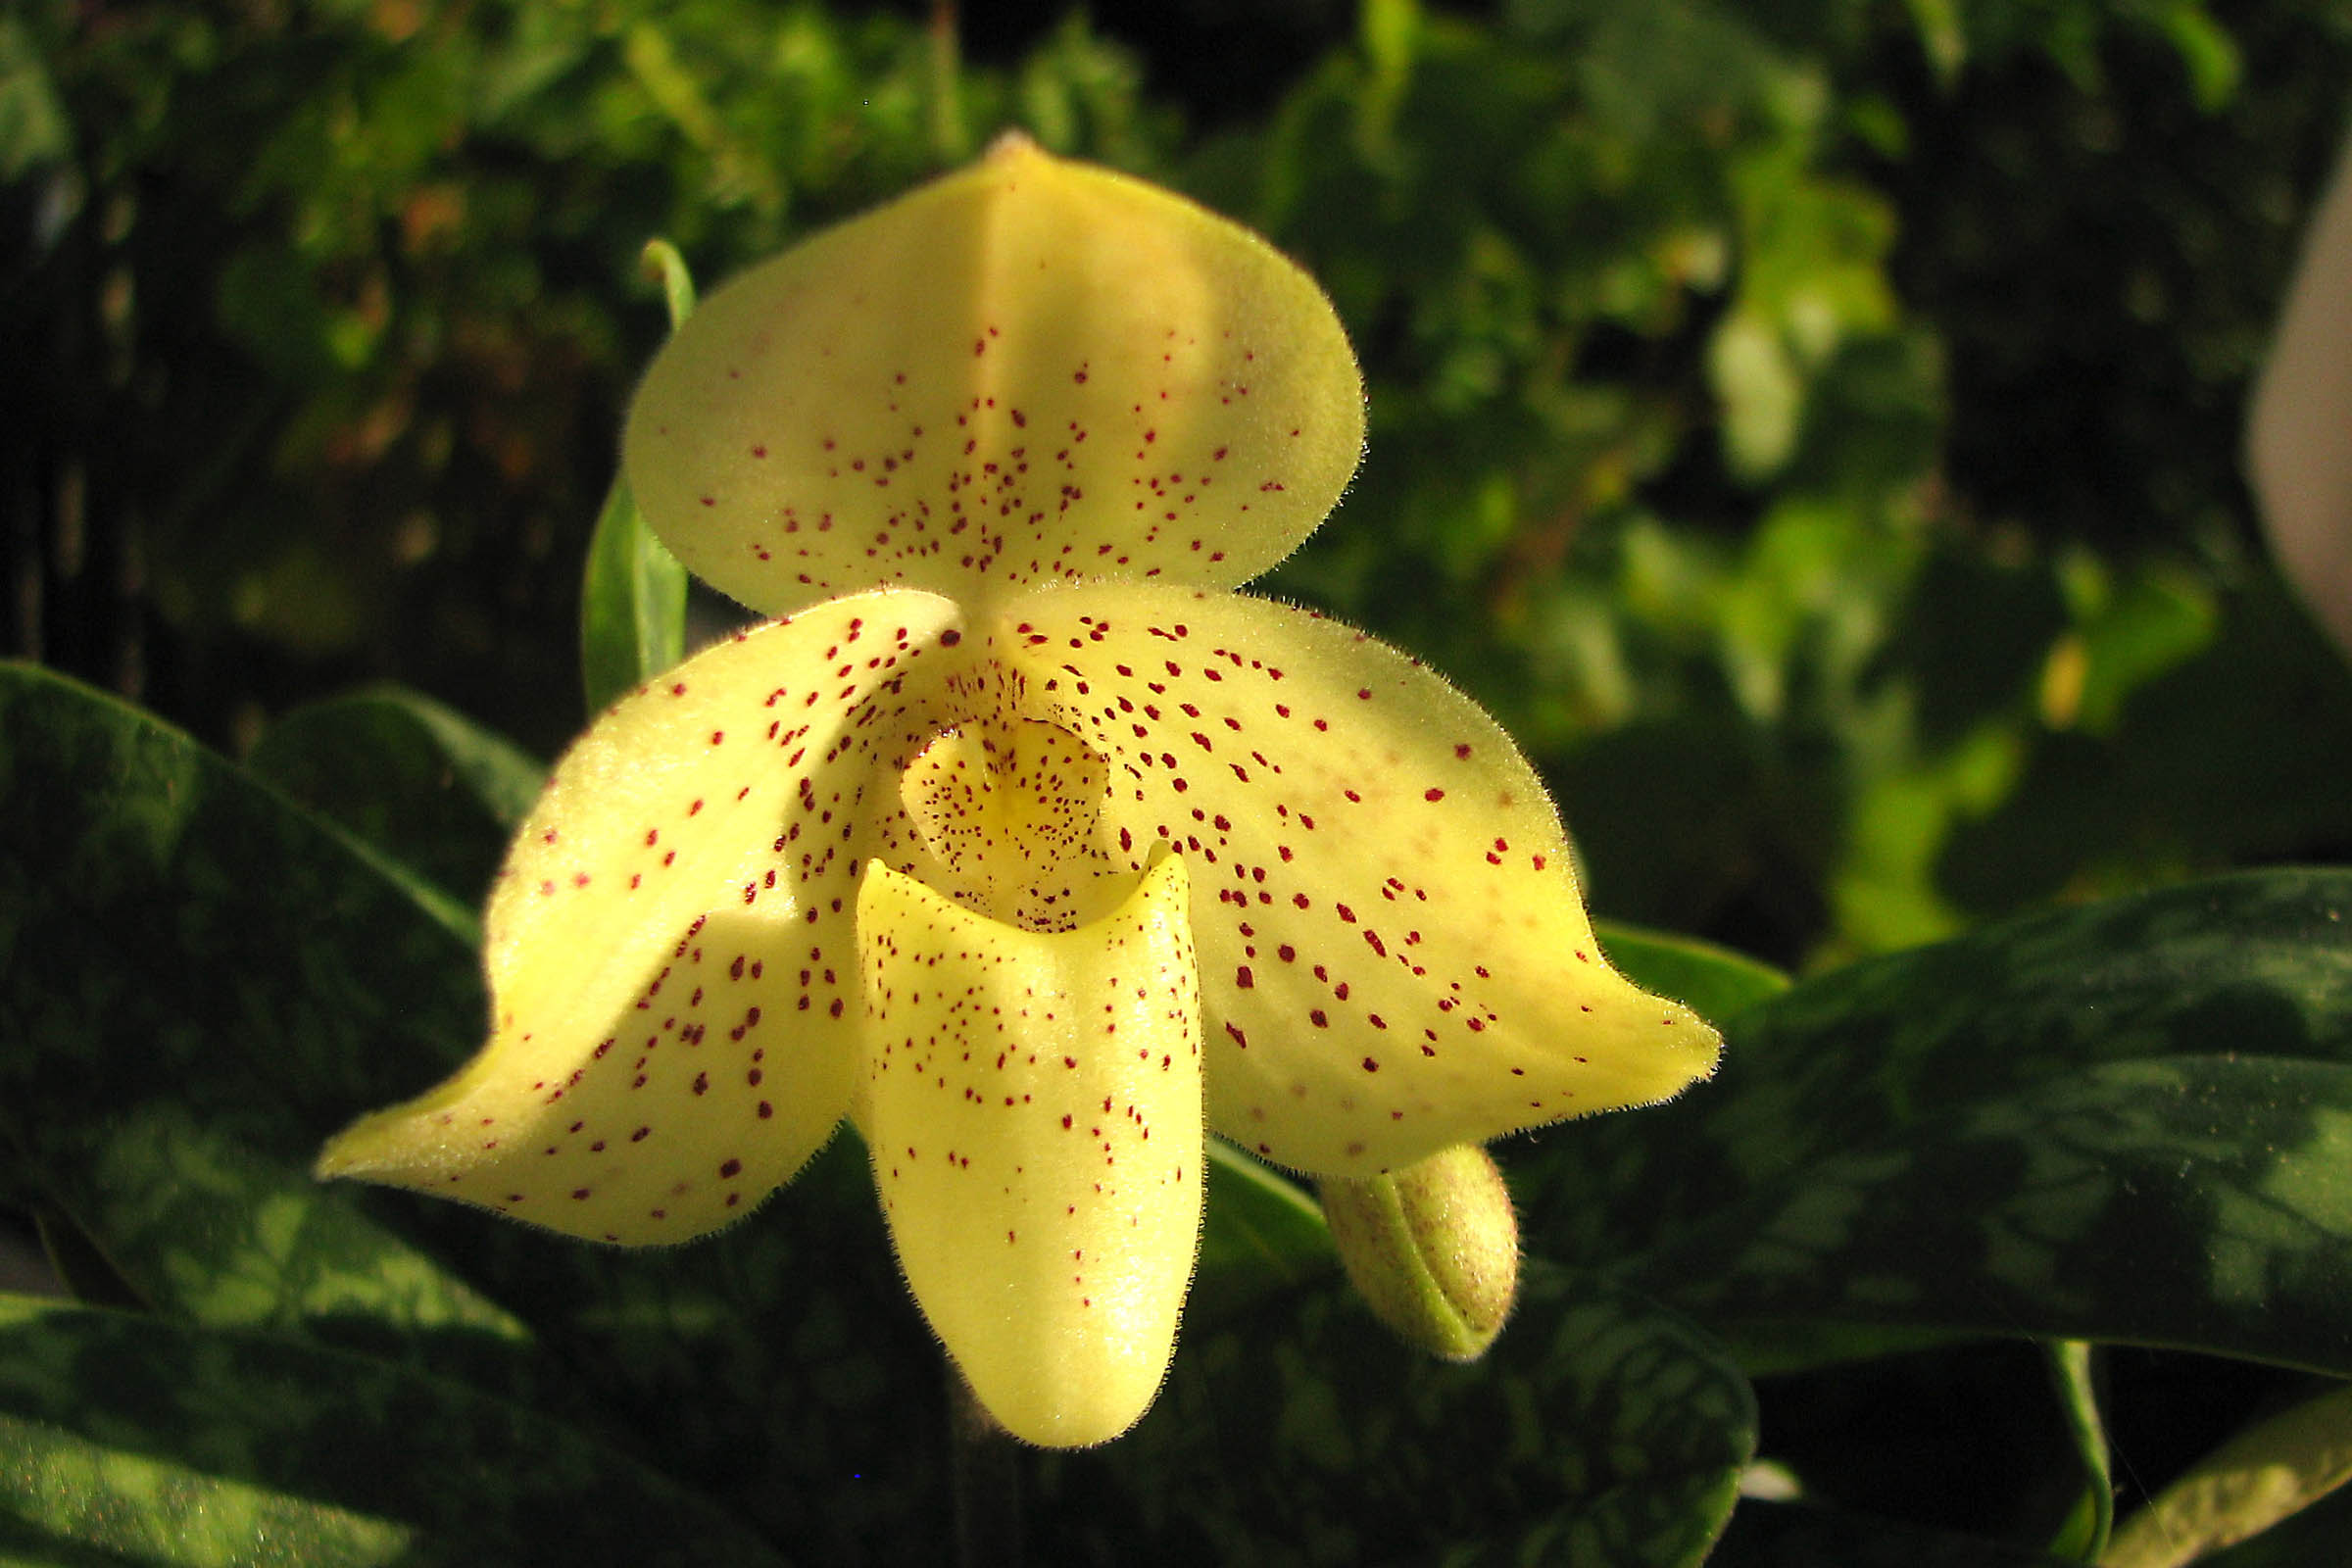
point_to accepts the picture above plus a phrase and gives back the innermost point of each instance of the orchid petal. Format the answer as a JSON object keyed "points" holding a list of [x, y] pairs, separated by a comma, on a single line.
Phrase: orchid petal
{"points": [[1026, 371], [1394, 955], [670, 947], [1033, 1109]]}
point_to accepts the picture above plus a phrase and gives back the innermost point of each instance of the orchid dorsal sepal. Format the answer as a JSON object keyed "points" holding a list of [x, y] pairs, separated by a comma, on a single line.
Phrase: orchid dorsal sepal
{"points": [[1027, 371], [1032, 1107], [1432, 1249]]}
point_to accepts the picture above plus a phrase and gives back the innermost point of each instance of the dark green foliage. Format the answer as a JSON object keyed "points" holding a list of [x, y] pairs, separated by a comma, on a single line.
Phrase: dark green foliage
{"points": [[220, 1447], [1810, 426]]}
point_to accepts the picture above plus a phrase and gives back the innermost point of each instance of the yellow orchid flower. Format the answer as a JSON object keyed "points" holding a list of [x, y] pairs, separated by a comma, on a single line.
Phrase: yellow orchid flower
{"points": [[1018, 837]]}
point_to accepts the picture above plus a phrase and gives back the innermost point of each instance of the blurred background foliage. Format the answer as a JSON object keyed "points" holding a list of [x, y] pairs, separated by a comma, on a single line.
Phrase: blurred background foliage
{"points": [[1812, 425]]}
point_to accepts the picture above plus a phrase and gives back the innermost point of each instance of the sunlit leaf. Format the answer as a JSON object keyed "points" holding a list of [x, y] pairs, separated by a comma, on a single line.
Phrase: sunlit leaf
{"points": [[1714, 982], [2274, 1469]]}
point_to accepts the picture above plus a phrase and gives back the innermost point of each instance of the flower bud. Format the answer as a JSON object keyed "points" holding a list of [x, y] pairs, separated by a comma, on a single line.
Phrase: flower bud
{"points": [[1433, 1249]]}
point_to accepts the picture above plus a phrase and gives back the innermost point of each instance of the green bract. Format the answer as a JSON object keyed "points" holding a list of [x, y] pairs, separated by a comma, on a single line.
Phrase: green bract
{"points": [[1020, 839]]}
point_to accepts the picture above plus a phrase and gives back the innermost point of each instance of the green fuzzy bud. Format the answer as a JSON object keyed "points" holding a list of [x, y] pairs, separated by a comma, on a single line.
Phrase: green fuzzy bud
{"points": [[1433, 1249]]}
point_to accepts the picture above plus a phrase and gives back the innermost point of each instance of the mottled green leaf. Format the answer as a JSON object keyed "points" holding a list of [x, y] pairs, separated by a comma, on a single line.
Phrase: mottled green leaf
{"points": [[195, 973], [1598, 1431], [2202, 1202], [416, 780], [1846, 1062], [169, 1445], [200, 983]]}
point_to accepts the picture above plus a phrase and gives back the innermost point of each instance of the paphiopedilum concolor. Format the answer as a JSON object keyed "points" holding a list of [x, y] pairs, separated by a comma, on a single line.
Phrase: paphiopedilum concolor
{"points": [[1018, 837]]}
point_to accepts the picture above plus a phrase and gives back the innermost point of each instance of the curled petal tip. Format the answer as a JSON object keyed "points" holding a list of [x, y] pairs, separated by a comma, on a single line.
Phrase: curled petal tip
{"points": [[1395, 954]]}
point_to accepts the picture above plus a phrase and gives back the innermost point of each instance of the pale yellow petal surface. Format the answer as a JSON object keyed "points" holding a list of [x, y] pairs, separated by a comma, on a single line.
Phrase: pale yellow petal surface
{"points": [[1029, 370], [670, 946], [1395, 954], [1033, 1109]]}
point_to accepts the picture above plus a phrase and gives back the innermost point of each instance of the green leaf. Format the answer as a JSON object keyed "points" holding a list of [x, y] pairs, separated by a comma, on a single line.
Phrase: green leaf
{"points": [[200, 982], [416, 780], [196, 973], [1850, 1061], [33, 129], [2207, 49], [2201, 1202], [1598, 1430], [165, 1444], [1714, 982], [2231, 751], [2264, 1474], [632, 602], [1762, 393], [633, 598], [1942, 37], [1262, 1233], [661, 261]]}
